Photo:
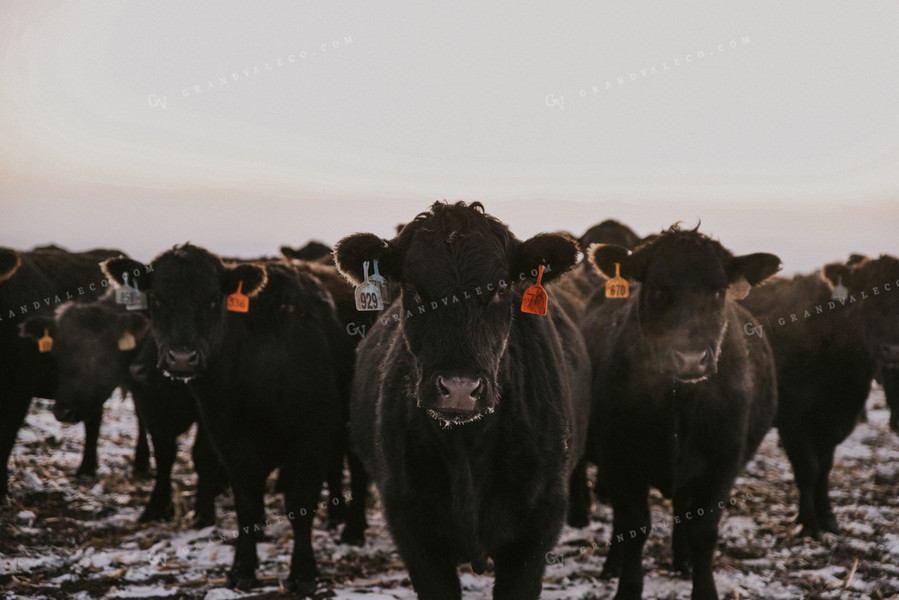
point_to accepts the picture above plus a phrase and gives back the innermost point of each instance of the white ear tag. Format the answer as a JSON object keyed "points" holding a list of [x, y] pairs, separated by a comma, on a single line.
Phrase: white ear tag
{"points": [[840, 291], [130, 296], [379, 279], [368, 293]]}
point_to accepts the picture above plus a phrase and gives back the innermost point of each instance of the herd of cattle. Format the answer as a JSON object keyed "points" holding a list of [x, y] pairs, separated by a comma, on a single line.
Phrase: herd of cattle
{"points": [[475, 418]]}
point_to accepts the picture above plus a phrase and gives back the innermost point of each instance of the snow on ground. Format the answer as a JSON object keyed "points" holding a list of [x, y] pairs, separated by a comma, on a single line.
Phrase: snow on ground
{"points": [[79, 538]]}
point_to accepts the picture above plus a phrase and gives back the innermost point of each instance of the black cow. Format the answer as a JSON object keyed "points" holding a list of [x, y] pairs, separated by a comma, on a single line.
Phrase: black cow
{"points": [[312, 251], [35, 283], [610, 231], [682, 397], [827, 352], [264, 381], [96, 342], [468, 412]]}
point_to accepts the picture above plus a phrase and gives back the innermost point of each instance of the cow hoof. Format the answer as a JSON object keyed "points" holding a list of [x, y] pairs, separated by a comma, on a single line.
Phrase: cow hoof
{"points": [[243, 584], [352, 537], [153, 513], [142, 473], [86, 471], [578, 521], [829, 524], [682, 569], [202, 522], [609, 572], [809, 531], [300, 587]]}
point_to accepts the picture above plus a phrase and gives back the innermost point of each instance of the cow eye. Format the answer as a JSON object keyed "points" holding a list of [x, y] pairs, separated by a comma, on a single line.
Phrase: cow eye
{"points": [[410, 290]]}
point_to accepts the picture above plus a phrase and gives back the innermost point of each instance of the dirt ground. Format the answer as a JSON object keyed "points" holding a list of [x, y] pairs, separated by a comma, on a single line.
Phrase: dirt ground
{"points": [[62, 537]]}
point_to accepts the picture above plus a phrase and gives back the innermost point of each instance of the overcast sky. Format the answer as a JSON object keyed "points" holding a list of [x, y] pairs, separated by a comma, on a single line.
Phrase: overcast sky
{"points": [[139, 125]]}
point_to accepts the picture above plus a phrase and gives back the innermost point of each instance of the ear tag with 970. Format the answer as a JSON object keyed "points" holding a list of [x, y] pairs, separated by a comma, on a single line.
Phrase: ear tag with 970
{"points": [[368, 293]]}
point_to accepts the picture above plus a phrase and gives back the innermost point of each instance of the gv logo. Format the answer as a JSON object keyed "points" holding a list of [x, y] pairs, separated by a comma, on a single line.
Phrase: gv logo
{"points": [[154, 100]]}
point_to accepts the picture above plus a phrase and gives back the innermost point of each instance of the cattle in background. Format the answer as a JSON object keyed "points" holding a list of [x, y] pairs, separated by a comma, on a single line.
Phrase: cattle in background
{"points": [[35, 283], [264, 382], [312, 251], [682, 397], [95, 344], [468, 412], [827, 352], [610, 231]]}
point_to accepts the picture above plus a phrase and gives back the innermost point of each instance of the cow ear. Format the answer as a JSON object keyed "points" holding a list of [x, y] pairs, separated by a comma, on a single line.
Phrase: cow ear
{"points": [[557, 251], [750, 270], [251, 278], [132, 327], [35, 327], [352, 251], [847, 274], [115, 268], [10, 261], [604, 256]]}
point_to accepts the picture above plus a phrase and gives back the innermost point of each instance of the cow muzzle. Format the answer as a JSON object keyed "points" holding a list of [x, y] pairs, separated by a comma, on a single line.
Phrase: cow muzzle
{"points": [[692, 366], [182, 363], [458, 399]]}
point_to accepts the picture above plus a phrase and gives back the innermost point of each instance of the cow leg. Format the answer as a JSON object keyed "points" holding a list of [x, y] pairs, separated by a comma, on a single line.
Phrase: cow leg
{"points": [[520, 565], [682, 562], [356, 523], [160, 508], [579, 496], [826, 519], [804, 460], [336, 503], [210, 479], [141, 451], [249, 503], [302, 493], [630, 528], [91, 436], [702, 527], [431, 569], [12, 415]]}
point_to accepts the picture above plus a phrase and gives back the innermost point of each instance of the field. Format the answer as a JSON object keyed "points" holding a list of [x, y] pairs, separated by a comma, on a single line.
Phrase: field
{"points": [[79, 538]]}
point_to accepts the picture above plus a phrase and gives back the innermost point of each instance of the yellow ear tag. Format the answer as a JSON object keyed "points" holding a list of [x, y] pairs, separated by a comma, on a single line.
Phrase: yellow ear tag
{"points": [[127, 342], [617, 286], [238, 302], [534, 299], [45, 344]]}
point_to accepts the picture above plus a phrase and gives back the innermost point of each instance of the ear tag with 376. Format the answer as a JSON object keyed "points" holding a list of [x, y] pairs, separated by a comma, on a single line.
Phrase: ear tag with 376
{"points": [[238, 301], [368, 293]]}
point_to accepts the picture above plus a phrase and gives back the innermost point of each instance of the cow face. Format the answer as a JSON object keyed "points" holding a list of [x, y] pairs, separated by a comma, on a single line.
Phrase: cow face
{"points": [[686, 280], [875, 285], [461, 273], [91, 346], [187, 290]]}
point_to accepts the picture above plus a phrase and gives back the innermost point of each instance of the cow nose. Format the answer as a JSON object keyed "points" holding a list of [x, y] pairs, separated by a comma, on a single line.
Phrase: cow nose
{"points": [[691, 363], [889, 353], [459, 393], [182, 361]]}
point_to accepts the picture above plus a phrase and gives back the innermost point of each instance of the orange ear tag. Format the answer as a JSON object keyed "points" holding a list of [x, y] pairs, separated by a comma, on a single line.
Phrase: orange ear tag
{"points": [[238, 302], [617, 286], [127, 342], [45, 344], [534, 299]]}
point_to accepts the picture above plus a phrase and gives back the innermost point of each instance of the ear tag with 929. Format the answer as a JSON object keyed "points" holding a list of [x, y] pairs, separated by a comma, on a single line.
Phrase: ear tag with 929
{"points": [[382, 283], [45, 344], [534, 299], [368, 293], [238, 301], [840, 291], [617, 286]]}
